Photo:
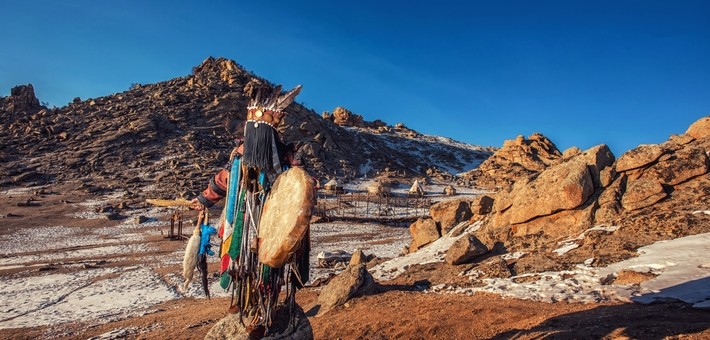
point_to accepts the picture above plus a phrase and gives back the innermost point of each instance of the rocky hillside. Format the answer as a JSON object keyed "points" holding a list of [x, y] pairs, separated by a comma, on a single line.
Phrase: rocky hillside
{"points": [[167, 138], [560, 210]]}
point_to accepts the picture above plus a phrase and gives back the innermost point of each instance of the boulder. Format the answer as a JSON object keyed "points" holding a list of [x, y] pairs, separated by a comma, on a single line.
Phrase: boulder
{"points": [[345, 117], [609, 202], [562, 187], [230, 327], [562, 224], [357, 258], [465, 250], [606, 176], [700, 129], [423, 231], [638, 157], [448, 214], [482, 205], [597, 158], [642, 193], [680, 166], [341, 288], [681, 139]]}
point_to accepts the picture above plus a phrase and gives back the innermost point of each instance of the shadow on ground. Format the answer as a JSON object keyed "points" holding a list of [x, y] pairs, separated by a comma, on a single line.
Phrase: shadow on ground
{"points": [[636, 321]]}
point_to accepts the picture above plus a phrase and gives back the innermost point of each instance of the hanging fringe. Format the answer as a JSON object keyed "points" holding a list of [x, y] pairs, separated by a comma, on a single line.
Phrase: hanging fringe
{"points": [[261, 147]]}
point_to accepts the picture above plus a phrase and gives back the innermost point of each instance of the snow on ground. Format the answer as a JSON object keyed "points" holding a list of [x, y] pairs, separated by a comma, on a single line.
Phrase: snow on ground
{"points": [[106, 294], [22, 190], [65, 255], [373, 239], [32, 298], [682, 266], [434, 252]]}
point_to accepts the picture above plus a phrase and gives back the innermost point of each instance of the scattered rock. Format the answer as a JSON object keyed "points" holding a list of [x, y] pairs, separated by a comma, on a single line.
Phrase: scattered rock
{"points": [[341, 288], [114, 216], [344, 117], [358, 258], [328, 259], [465, 250], [448, 214], [492, 268], [140, 219], [28, 203], [423, 231], [628, 277]]}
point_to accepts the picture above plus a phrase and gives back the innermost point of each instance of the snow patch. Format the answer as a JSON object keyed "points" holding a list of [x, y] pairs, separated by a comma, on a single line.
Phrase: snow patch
{"points": [[431, 253]]}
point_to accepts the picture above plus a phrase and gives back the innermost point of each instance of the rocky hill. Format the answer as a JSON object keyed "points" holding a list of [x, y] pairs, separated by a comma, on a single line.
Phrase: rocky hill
{"points": [[167, 138], [561, 210]]}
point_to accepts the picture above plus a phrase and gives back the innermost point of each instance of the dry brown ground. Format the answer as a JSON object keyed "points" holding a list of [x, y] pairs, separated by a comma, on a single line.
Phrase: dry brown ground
{"points": [[397, 312]]}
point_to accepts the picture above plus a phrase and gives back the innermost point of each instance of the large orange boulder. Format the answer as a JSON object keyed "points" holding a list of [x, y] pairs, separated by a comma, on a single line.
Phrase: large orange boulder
{"points": [[561, 187], [700, 129], [423, 231], [448, 214]]}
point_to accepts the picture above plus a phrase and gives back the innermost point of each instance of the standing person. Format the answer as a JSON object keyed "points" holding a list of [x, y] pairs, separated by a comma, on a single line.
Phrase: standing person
{"points": [[244, 184]]}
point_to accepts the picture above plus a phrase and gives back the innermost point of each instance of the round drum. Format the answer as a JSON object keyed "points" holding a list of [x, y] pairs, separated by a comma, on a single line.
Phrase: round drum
{"points": [[285, 216]]}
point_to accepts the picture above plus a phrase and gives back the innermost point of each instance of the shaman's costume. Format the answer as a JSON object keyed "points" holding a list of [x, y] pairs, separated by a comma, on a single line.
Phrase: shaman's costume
{"points": [[246, 184]]}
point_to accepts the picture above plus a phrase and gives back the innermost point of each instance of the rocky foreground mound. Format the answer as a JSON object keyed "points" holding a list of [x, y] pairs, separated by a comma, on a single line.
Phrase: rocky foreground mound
{"points": [[596, 206], [165, 139]]}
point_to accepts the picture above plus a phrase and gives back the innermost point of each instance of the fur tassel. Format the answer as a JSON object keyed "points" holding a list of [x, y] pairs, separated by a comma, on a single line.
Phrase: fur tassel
{"points": [[189, 262]]}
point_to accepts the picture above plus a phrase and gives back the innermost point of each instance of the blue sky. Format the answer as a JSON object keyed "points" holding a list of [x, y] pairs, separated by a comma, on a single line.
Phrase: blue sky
{"points": [[580, 72]]}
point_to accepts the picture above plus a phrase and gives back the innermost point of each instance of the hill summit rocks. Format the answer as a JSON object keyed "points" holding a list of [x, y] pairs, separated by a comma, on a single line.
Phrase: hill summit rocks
{"points": [[22, 99], [518, 158]]}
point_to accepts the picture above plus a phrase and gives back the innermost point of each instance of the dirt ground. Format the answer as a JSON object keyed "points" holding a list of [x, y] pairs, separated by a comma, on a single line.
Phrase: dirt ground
{"points": [[401, 314], [398, 311]]}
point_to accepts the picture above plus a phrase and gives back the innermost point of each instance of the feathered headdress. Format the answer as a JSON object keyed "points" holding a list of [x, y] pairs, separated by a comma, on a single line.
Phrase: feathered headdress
{"points": [[262, 145]]}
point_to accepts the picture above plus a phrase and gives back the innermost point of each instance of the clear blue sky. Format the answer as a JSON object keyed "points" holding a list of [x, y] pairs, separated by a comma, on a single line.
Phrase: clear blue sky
{"points": [[581, 72]]}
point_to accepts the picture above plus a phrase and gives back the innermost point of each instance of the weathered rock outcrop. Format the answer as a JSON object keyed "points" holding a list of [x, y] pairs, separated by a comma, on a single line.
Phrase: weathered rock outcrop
{"points": [[565, 186], [652, 192], [22, 99], [700, 129], [517, 159], [345, 117]]}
